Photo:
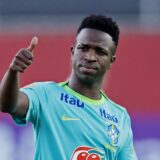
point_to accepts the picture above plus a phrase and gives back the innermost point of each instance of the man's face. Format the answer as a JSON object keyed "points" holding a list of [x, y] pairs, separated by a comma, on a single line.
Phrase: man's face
{"points": [[92, 55]]}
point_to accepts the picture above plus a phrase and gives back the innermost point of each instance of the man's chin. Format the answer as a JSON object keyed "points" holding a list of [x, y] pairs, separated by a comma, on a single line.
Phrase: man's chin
{"points": [[88, 79]]}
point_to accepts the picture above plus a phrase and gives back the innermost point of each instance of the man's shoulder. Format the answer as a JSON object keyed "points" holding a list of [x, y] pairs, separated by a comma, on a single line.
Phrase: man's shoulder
{"points": [[45, 88], [120, 112], [40, 84], [116, 107]]}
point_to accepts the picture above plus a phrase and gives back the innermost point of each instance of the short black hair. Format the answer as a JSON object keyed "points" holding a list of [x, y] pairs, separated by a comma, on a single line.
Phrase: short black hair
{"points": [[102, 23]]}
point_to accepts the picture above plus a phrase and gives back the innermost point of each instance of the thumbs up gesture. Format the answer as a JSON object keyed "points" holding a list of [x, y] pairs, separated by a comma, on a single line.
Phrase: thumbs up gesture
{"points": [[24, 57]]}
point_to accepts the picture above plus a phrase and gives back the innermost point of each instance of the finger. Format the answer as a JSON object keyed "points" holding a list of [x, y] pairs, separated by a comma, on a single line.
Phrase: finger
{"points": [[24, 60], [33, 44], [20, 64], [25, 54], [17, 68]]}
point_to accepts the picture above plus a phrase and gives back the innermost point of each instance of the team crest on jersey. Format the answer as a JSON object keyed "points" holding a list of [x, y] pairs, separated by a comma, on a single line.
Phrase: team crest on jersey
{"points": [[88, 153], [113, 133]]}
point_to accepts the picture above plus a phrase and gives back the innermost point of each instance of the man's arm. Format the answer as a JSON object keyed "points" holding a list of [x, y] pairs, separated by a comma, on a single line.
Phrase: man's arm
{"points": [[127, 151], [12, 100]]}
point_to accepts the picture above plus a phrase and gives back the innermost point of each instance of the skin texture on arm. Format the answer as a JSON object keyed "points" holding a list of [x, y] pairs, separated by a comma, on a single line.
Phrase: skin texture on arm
{"points": [[11, 99]]}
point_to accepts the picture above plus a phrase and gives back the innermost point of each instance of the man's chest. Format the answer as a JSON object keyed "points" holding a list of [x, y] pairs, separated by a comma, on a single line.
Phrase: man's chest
{"points": [[83, 124]]}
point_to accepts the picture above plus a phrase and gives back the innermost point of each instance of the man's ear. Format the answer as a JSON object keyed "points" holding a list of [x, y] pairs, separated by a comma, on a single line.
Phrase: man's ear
{"points": [[113, 59], [72, 49]]}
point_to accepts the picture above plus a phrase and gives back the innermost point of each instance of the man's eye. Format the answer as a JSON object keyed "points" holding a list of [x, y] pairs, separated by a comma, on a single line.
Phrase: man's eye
{"points": [[102, 53], [84, 48]]}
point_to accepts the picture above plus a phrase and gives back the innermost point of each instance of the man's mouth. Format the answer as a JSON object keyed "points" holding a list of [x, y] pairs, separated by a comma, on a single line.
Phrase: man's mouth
{"points": [[89, 66], [88, 69]]}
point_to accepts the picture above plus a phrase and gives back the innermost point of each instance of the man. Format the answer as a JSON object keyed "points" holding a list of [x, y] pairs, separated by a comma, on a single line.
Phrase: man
{"points": [[73, 120]]}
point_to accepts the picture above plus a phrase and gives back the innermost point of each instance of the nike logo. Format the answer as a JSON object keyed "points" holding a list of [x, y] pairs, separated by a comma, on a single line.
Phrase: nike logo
{"points": [[65, 118]]}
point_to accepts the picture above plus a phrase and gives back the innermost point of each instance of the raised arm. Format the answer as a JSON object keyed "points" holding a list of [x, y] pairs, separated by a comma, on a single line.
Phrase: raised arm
{"points": [[12, 100]]}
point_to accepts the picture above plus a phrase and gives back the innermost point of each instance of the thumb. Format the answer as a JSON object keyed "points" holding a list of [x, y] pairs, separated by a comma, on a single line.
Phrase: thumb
{"points": [[33, 44]]}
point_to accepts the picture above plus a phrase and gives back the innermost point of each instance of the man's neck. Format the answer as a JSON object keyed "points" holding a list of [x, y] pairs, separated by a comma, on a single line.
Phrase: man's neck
{"points": [[91, 91]]}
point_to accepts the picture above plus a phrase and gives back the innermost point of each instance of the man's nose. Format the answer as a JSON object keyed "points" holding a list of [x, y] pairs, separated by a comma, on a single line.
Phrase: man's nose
{"points": [[91, 55]]}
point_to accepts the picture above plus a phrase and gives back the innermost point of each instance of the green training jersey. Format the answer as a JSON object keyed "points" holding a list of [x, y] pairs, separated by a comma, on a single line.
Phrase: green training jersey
{"points": [[70, 126]]}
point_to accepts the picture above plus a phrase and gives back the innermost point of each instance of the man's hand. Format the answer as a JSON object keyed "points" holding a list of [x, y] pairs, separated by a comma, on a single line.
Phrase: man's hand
{"points": [[24, 57]]}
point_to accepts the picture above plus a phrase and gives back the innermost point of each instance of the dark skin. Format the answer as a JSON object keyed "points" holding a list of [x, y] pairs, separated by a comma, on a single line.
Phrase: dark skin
{"points": [[92, 56], [11, 99]]}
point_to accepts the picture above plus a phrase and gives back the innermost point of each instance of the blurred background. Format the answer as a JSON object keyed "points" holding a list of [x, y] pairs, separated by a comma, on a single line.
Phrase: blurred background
{"points": [[133, 82]]}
